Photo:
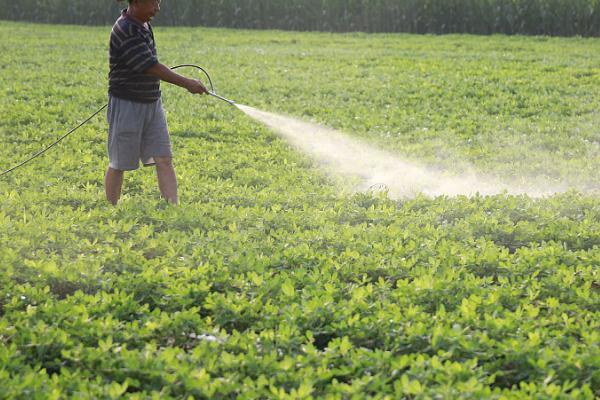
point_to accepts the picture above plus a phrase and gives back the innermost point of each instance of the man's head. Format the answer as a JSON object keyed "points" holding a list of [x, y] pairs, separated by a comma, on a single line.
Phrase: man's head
{"points": [[143, 10]]}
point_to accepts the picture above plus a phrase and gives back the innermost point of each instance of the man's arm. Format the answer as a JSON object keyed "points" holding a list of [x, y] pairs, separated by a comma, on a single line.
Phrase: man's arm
{"points": [[167, 75]]}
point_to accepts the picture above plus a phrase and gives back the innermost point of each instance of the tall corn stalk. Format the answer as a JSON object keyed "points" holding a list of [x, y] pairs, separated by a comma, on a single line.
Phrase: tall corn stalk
{"points": [[547, 17]]}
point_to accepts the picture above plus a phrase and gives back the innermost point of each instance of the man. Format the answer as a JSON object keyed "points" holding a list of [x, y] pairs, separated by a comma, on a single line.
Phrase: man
{"points": [[136, 120]]}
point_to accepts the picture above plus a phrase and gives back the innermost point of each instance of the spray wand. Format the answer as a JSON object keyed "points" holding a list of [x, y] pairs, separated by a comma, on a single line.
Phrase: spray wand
{"points": [[211, 92]]}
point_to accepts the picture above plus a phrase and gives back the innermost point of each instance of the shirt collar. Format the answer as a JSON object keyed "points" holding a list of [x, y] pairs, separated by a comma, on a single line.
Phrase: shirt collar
{"points": [[134, 20]]}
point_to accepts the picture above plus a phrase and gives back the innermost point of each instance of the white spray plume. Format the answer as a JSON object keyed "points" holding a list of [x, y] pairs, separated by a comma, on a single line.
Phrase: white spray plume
{"points": [[342, 154]]}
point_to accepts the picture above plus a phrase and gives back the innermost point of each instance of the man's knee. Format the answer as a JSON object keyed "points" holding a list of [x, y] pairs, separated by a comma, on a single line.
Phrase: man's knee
{"points": [[163, 162], [114, 172]]}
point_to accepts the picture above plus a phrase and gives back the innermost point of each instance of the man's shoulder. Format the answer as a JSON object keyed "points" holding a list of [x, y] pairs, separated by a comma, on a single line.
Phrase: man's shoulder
{"points": [[120, 27], [125, 27]]}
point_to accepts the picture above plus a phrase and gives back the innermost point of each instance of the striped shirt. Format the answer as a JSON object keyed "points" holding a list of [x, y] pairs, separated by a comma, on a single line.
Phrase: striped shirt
{"points": [[132, 52]]}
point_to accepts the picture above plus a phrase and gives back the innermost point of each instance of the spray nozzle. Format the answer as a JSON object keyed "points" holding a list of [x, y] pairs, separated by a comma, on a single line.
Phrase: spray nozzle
{"points": [[231, 102]]}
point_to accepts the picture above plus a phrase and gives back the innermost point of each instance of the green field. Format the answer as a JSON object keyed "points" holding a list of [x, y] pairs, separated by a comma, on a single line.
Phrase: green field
{"points": [[273, 279]]}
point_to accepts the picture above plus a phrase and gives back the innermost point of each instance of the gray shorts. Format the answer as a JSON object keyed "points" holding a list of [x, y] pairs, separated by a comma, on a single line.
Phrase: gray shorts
{"points": [[136, 131]]}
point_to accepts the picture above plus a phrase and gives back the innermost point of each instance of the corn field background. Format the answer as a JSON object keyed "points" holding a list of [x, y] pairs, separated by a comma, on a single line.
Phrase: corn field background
{"points": [[532, 17]]}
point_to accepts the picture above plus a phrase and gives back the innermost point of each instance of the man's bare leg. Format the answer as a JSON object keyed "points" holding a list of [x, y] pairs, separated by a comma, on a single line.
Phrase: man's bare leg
{"points": [[167, 181], [112, 184]]}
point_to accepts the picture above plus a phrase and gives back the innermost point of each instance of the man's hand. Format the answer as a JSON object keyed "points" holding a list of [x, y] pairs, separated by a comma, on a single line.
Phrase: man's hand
{"points": [[167, 75], [195, 86]]}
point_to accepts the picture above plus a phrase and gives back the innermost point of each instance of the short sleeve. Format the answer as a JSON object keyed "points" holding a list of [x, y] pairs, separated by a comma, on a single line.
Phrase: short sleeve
{"points": [[137, 55]]}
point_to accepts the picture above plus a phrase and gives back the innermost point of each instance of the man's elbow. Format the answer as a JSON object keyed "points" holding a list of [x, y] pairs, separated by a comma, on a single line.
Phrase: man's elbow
{"points": [[155, 69]]}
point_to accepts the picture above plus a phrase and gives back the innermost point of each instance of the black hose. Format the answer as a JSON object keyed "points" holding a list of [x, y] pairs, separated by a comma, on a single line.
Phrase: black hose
{"points": [[212, 88]]}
